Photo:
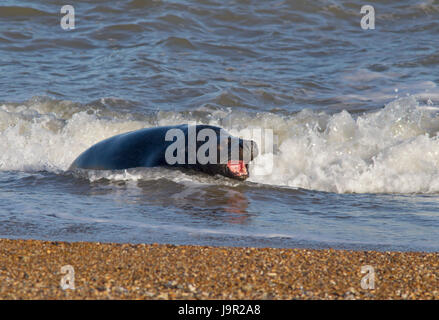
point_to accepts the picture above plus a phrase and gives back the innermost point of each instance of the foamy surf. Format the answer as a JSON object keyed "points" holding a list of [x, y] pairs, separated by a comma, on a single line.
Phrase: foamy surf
{"points": [[392, 150]]}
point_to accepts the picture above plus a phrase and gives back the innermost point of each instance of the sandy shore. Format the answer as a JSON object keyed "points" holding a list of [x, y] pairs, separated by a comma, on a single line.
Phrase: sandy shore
{"points": [[32, 270]]}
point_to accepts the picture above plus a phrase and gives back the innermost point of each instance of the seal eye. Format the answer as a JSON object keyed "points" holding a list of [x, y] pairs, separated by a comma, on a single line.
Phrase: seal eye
{"points": [[237, 167]]}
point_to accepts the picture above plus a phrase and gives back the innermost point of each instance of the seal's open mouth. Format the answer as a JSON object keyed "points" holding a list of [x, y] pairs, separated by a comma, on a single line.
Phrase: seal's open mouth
{"points": [[237, 168]]}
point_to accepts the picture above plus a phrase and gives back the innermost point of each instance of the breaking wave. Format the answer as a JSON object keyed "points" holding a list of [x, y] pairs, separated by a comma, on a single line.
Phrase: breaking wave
{"points": [[393, 150]]}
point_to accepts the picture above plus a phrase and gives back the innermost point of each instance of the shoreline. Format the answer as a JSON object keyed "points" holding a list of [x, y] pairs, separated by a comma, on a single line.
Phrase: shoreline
{"points": [[31, 269]]}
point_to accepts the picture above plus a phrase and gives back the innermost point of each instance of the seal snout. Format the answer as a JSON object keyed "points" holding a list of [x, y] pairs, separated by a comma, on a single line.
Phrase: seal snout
{"points": [[238, 168], [250, 150]]}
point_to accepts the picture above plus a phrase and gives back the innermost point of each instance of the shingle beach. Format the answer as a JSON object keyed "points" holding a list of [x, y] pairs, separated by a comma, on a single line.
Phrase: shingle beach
{"points": [[31, 269]]}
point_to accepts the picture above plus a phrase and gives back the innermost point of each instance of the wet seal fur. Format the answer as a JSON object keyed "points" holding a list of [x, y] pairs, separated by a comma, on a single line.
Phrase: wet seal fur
{"points": [[147, 148]]}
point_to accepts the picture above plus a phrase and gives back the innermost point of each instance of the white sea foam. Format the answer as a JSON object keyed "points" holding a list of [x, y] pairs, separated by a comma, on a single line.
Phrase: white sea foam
{"points": [[394, 149]]}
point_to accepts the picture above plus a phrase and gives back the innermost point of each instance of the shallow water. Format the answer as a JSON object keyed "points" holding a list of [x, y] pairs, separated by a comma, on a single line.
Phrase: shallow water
{"points": [[354, 113]]}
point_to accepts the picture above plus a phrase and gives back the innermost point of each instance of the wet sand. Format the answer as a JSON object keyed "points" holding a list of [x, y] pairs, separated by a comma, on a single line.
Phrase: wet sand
{"points": [[31, 269]]}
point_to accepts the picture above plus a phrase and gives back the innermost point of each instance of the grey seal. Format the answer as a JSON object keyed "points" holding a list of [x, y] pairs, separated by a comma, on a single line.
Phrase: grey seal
{"points": [[153, 147]]}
